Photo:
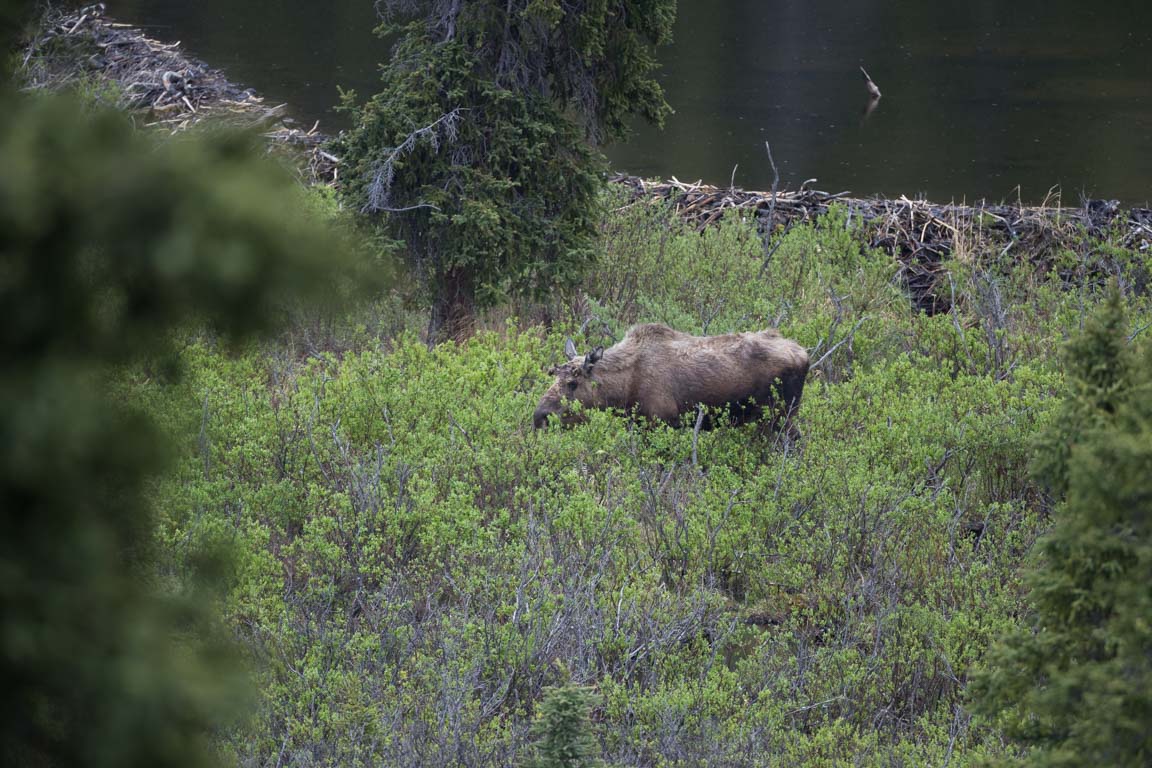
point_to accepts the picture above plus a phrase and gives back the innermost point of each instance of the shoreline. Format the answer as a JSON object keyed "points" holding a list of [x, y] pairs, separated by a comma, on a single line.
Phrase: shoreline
{"points": [[175, 92]]}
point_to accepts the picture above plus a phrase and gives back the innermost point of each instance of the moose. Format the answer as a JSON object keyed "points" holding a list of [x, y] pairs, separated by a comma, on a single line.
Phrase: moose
{"points": [[661, 374]]}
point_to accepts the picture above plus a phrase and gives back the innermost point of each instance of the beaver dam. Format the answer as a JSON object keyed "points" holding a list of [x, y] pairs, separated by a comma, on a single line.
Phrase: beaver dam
{"points": [[920, 234], [174, 92], [157, 80]]}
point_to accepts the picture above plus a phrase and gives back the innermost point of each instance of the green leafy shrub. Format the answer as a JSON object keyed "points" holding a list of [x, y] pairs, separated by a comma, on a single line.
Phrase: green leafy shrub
{"points": [[418, 565]]}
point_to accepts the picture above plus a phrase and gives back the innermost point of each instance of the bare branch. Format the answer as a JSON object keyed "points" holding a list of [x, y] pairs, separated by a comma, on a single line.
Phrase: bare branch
{"points": [[700, 410], [850, 335], [407, 208], [771, 214], [443, 128]]}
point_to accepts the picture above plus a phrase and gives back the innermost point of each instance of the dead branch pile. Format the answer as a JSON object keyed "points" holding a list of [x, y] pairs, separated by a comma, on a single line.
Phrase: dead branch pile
{"points": [[173, 91], [920, 234]]}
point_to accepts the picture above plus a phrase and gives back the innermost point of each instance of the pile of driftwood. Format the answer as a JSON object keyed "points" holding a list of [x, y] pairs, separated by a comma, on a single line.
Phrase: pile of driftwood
{"points": [[920, 234], [158, 80]]}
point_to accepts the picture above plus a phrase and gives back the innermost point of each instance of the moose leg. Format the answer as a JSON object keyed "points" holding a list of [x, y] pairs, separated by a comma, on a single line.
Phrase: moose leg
{"points": [[791, 390], [746, 411], [661, 409]]}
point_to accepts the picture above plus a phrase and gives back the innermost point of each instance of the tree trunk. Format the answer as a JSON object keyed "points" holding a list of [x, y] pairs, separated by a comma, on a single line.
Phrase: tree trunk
{"points": [[454, 308]]}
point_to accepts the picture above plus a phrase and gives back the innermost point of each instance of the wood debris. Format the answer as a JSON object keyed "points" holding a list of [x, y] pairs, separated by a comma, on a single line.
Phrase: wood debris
{"points": [[920, 234], [158, 81]]}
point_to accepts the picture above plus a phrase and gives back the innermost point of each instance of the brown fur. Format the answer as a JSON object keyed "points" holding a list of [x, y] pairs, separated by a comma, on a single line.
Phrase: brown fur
{"points": [[662, 374]]}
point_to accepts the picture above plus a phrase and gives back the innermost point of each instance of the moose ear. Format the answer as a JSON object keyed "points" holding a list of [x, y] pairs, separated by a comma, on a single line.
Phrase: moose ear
{"points": [[593, 357], [570, 348]]}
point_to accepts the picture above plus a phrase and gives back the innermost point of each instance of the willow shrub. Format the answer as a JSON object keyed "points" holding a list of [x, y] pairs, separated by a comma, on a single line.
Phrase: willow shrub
{"points": [[418, 565]]}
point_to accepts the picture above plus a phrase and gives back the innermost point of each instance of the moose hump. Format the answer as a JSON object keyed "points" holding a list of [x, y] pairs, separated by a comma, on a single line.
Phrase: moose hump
{"points": [[661, 374]]}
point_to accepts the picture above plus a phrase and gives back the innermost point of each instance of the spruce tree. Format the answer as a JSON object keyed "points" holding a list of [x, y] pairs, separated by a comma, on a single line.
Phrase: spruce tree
{"points": [[480, 151], [562, 729], [1074, 686]]}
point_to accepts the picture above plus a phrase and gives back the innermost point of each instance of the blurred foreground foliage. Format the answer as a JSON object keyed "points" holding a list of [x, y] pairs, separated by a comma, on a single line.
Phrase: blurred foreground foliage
{"points": [[112, 247], [562, 729], [1075, 682]]}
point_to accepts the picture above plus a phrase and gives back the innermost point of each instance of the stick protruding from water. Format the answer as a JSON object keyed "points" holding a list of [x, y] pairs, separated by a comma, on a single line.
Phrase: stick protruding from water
{"points": [[873, 89]]}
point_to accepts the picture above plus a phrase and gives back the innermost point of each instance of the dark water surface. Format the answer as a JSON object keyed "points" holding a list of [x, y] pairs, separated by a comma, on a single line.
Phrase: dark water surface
{"points": [[982, 99]]}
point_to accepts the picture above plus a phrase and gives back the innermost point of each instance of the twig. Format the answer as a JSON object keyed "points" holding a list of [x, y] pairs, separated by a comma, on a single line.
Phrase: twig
{"points": [[813, 706], [771, 214], [837, 345], [870, 85], [956, 320], [380, 188], [700, 410], [407, 208]]}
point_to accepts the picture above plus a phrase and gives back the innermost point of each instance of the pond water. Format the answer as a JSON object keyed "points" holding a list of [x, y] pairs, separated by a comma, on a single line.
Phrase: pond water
{"points": [[982, 99]]}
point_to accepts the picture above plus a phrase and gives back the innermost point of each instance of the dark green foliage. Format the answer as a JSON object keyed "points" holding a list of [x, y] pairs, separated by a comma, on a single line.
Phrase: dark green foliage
{"points": [[592, 59], [501, 195], [1098, 364], [110, 242], [1076, 683], [563, 731], [13, 13], [475, 152], [103, 249]]}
